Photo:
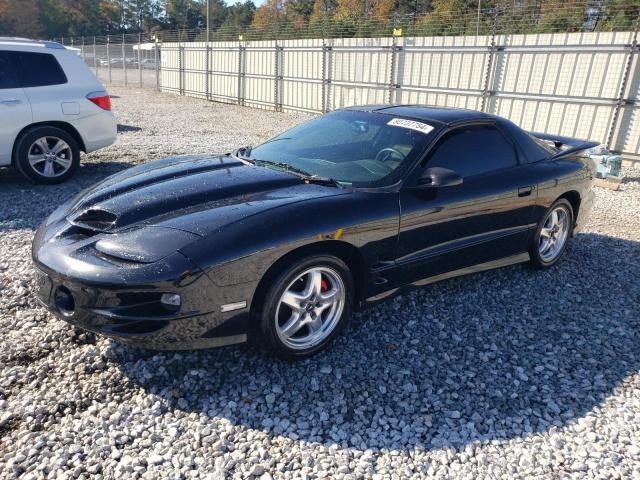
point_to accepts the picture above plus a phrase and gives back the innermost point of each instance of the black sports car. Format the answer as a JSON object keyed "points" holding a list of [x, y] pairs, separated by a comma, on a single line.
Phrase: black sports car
{"points": [[282, 241]]}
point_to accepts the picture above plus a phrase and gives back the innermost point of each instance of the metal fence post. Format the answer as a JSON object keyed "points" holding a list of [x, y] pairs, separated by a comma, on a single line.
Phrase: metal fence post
{"points": [[241, 50], [124, 61], [95, 57], [621, 100], [207, 68], [327, 67], [140, 57], [82, 50], [109, 60], [393, 84], [486, 93], [278, 77], [156, 61], [181, 68], [323, 93]]}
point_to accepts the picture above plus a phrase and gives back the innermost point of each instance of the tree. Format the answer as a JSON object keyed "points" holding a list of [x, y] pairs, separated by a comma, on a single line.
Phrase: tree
{"points": [[562, 16], [618, 15], [240, 14], [383, 8], [56, 18], [140, 15], [218, 12], [449, 17], [413, 7], [109, 17], [300, 10], [185, 14], [69, 17], [352, 9], [269, 14], [323, 10], [20, 19]]}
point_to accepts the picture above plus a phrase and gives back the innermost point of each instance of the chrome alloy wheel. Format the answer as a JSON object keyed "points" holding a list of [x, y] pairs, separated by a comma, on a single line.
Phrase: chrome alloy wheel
{"points": [[50, 156], [554, 234], [310, 308]]}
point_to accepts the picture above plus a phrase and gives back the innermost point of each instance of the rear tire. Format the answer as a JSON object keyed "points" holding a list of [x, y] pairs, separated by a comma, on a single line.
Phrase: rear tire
{"points": [[306, 307], [552, 235], [47, 155]]}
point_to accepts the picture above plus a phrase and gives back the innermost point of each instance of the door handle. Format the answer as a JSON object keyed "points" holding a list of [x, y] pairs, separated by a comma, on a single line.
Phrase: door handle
{"points": [[525, 191], [10, 101]]}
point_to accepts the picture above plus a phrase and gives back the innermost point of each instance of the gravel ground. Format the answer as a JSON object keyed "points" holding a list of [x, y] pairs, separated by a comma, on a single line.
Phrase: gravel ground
{"points": [[513, 373]]}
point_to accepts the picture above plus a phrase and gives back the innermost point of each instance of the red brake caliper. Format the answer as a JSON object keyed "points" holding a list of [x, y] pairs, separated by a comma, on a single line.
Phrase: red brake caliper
{"points": [[323, 285]]}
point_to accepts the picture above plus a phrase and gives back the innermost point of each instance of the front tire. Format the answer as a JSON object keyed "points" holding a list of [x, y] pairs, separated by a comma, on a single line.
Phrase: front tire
{"points": [[552, 235], [47, 155], [306, 307]]}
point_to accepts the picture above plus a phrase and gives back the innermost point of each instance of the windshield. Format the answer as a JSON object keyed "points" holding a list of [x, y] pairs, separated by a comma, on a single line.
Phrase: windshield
{"points": [[359, 149]]}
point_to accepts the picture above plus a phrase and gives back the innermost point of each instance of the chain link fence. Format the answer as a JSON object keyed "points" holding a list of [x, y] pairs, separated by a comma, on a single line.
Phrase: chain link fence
{"points": [[120, 59]]}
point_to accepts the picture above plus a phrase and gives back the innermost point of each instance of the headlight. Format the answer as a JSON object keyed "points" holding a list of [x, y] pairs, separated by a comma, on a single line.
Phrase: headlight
{"points": [[146, 244]]}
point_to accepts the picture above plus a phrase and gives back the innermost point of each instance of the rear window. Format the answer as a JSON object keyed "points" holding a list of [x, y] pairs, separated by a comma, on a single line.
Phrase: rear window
{"points": [[38, 69], [7, 75]]}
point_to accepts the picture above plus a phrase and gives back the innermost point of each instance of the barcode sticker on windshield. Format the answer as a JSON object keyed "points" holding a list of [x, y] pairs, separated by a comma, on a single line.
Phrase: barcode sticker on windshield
{"points": [[412, 124]]}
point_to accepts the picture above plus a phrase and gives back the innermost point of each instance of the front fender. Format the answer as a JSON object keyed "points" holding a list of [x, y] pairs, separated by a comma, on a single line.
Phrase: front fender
{"points": [[241, 253]]}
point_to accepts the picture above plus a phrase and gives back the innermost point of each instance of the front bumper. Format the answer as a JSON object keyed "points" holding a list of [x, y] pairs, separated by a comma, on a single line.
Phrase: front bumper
{"points": [[122, 299], [135, 317]]}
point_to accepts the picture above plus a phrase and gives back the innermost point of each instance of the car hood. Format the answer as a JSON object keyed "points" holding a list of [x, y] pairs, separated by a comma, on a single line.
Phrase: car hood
{"points": [[198, 194]]}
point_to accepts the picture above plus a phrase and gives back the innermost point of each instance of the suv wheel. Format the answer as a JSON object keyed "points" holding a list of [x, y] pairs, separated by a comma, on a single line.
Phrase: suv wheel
{"points": [[47, 155]]}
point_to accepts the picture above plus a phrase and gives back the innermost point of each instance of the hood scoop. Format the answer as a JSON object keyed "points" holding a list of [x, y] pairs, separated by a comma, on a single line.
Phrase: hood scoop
{"points": [[95, 219]]}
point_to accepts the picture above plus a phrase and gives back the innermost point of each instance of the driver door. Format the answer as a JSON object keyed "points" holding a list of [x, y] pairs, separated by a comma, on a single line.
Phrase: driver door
{"points": [[485, 218]]}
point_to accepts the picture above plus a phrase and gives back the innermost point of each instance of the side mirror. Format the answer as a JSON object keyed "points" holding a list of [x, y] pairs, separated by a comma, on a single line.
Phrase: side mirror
{"points": [[438, 177]]}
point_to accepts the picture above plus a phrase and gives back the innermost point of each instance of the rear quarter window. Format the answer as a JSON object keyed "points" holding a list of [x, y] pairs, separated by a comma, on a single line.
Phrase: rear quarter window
{"points": [[38, 69], [7, 75]]}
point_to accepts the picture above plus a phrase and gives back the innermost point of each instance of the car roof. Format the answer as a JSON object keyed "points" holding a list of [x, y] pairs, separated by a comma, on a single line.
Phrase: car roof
{"points": [[27, 43], [444, 115]]}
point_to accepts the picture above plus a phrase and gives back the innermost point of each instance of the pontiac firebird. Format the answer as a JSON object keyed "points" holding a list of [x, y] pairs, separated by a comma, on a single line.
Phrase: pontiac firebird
{"points": [[281, 242]]}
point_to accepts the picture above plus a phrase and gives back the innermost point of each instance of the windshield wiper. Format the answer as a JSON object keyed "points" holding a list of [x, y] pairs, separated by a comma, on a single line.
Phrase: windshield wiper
{"points": [[276, 140], [322, 180], [285, 167], [281, 166], [304, 175]]}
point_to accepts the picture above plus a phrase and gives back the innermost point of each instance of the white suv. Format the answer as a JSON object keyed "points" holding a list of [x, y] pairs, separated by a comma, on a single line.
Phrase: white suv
{"points": [[51, 108]]}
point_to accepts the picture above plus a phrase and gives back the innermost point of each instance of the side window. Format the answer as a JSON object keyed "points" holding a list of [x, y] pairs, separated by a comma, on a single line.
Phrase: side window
{"points": [[7, 75], [473, 150], [38, 69]]}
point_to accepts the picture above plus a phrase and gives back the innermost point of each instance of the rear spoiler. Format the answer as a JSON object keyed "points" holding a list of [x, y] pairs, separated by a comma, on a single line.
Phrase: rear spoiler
{"points": [[565, 145]]}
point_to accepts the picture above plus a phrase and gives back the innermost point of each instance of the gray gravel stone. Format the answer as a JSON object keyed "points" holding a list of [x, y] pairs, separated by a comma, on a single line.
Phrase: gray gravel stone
{"points": [[514, 373]]}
